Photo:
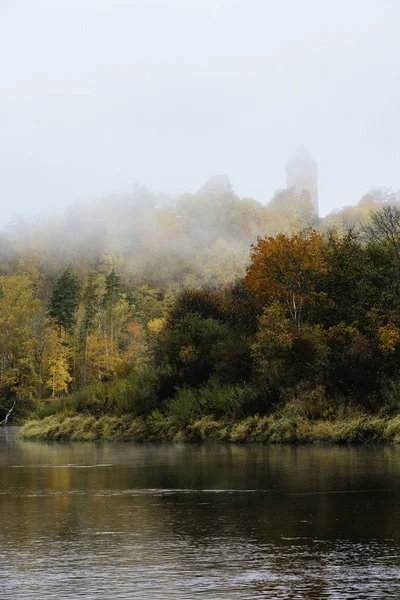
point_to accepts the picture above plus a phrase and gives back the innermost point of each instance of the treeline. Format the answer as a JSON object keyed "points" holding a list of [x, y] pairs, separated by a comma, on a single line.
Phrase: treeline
{"points": [[311, 330], [55, 340], [197, 240], [93, 298], [316, 321]]}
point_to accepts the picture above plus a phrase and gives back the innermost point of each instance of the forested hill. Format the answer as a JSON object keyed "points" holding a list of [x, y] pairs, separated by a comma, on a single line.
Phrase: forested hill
{"points": [[196, 240], [149, 296]]}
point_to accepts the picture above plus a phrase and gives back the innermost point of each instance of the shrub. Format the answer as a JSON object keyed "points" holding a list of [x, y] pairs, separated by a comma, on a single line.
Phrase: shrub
{"points": [[184, 408], [309, 403], [391, 397], [138, 394]]}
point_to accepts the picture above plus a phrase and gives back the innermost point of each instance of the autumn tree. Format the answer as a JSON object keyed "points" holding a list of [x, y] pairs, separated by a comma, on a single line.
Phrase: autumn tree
{"points": [[284, 269], [272, 347], [18, 309], [56, 373], [216, 266]]}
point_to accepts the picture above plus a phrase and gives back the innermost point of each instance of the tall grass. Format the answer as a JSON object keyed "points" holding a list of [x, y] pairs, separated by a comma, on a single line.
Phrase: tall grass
{"points": [[134, 395], [362, 429], [128, 409]]}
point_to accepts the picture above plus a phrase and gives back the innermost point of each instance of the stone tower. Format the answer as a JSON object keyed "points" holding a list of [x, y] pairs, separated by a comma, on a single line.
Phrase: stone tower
{"points": [[302, 175]]}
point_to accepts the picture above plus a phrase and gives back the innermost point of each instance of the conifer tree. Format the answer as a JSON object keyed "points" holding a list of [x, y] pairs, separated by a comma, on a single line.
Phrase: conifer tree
{"points": [[64, 299]]}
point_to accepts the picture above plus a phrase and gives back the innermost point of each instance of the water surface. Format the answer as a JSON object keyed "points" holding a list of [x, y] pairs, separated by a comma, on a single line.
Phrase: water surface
{"points": [[159, 522]]}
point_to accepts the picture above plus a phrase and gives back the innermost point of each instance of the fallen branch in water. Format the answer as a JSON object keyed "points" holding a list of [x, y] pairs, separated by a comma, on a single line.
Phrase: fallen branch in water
{"points": [[4, 421]]}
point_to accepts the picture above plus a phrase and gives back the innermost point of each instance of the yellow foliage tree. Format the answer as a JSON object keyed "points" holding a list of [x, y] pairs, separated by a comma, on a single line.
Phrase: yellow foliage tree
{"points": [[137, 352], [102, 357], [389, 338], [18, 308], [156, 326], [56, 373]]}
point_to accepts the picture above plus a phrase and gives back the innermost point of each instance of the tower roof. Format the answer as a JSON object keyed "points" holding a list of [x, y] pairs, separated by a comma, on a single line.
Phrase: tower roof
{"points": [[217, 184], [301, 154]]}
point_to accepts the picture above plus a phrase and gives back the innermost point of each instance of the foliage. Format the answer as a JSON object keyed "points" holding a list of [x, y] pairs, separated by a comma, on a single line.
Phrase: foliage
{"points": [[383, 235], [348, 267], [311, 331], [64, 299], [56, 375], [284, 269]]}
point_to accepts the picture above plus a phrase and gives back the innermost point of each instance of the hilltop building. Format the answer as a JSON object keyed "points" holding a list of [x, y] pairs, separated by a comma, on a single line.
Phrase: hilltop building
{"points": [[302, 175], [216, 185]]}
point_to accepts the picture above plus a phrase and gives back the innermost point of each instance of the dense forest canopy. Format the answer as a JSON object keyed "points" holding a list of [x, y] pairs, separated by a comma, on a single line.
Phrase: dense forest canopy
{"points": [[204, 290]]}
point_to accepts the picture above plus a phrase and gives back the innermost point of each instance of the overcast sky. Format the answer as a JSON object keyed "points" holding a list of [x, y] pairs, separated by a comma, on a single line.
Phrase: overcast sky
{"points": [[98, 94]]}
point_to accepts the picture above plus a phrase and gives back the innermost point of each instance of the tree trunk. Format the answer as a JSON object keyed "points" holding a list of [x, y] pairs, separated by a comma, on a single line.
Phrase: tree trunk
{"points": [[4, 421]]}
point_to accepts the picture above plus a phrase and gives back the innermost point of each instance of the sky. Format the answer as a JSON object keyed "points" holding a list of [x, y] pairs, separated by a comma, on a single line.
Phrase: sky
{"points": [[97, 95]]}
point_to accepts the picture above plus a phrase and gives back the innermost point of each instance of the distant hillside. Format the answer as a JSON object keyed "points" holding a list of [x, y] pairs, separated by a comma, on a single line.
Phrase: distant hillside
{"points": [[196, 240]]}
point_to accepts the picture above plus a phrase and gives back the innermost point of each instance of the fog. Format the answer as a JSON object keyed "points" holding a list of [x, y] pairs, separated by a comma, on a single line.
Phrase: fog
{"points": [[96, 95]]}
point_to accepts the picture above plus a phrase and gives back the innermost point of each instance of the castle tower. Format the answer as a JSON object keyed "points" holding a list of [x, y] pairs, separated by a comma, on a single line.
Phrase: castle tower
{"points": [[302, 174]]}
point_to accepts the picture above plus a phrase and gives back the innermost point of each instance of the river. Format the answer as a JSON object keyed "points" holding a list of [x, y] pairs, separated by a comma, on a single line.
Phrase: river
{"points": [[159, 522]]}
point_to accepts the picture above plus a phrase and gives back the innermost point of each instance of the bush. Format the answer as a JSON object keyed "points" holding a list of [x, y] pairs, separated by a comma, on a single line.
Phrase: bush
{"points": [[184, 408], [309, 404], [220, 401], [138, 394], [135, 395], [223, 402], [391, 398]]}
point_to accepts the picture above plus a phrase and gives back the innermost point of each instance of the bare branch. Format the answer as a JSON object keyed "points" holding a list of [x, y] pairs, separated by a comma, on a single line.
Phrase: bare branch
{"points": [[4, 421]]}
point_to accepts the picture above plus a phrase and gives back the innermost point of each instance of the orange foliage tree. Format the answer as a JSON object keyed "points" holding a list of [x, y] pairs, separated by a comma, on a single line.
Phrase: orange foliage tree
{"points": [[284, 269]]}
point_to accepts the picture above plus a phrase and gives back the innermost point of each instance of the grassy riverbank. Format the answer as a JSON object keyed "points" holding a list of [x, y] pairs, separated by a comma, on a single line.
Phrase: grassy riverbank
{"points": [[268, 429], [126, 410]]}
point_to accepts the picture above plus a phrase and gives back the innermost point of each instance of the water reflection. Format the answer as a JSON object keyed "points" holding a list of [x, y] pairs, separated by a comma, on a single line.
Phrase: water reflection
{"points": [[166, 521]]}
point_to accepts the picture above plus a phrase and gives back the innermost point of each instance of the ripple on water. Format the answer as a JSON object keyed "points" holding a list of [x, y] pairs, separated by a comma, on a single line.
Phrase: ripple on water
{"points": [[222, 524]]}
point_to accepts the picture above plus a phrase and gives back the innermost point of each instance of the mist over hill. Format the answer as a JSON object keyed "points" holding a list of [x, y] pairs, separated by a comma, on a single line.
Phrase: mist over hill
{"points": [[195, 240]]}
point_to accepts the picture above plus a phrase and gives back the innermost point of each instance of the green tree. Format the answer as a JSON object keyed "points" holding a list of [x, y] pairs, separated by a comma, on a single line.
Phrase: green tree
{"points": [[64, 299], [348, 267], [383, 236]]}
